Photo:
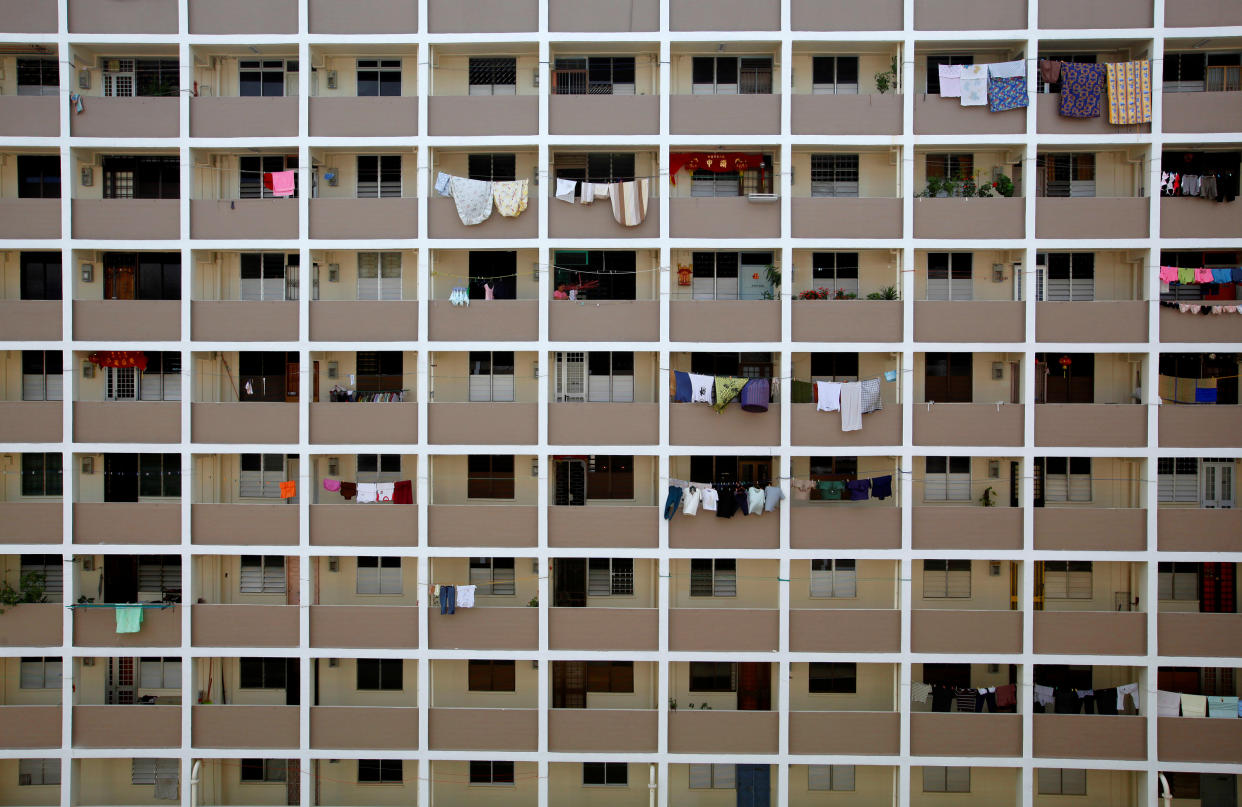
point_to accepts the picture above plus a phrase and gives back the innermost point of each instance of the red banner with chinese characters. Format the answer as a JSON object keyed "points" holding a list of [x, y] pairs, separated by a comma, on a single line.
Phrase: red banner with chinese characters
{"points": [[119, 358], [714, 161]]}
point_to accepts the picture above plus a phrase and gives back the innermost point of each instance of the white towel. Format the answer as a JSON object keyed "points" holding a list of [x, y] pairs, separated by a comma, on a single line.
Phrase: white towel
{"points": [[829, 394], [367, 492], [974, 84], [1043, 694], [384, 491], [565, 189], [1014, 69], [1194, 706], [920, 692], [1167, 703], [600, 190], [465, 596], [701, 387], [588, 193], [851, 406], [950, 80]]}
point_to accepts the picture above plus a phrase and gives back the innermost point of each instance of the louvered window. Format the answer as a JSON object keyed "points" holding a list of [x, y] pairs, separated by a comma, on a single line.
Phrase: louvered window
{"points": [[610, 376], [160, 673], [379, 575], [494, 576], [713, 577], [379, 467], [950, 276], [262, 574], [38, 672], [1066, 479], [144, 771], [946, 579], [713, 676], [1062, 781], [263, 275], [493, 75], [42, 375], [834, 175], [1179, 580], [947, 479], [1067, 579], [159, 574], [717, 776], [38, 772], [261, 475], [1066, 277], [939, 779], [379, 276], [834, 75], [1178, 479], [379, 176], [50, 568], [610, 577], [834, 577], [491, 375], [830, 777]]}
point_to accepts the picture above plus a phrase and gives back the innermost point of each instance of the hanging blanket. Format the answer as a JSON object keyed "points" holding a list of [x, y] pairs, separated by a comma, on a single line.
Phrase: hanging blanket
{"points": [[473, 199], [1129, 92], [629, 201], [727, 388], [1006, 93], [1080, 89], [974, 84], [510, 197]]}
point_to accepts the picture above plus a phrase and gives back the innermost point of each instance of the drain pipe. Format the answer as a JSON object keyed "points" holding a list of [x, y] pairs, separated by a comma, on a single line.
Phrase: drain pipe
{"points": [[651, 786], [194, 771], [1167, 795]]}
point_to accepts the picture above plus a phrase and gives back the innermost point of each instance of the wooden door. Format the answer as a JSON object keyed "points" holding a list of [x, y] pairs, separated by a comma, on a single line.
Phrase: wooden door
{"points": [[293, 377], [756, 471], [947, 377], [754, 686], [119, 282], [569, 685]]}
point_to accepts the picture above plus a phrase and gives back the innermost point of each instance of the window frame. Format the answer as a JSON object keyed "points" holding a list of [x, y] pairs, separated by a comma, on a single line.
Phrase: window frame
{"points": [[383, 174], [712, 676], [620, 580], [953, 571], [958, 484], [484, 671], [1172, 485], [1069, 579], [946, 784], [382, 671], [834, 582], [504, 776], [1045, 786], [753, 74], [168, 674], [39, 172], [1075, 281], [145, 770], [835, 86], [51, 385], [50, 479], [953, 273], [491, 75], [252, 167], [384, 71], [720, 573], [47, 69], [1070, 482], [271, 671], [48, 670], [162, 573], [497, 481], [719, 776], [41, 275], [610, 774], [610, 476], [264, 68], [934, 60], [377, 468], [159, 476], [832, 678], [486, 383], [483, 574], [52, 568], [835, 175], [268, 479], [378, 575], [387, 286], [269, 770], [831, 777], [38, 771], [611, 677], [272, 571], [386, 771]]}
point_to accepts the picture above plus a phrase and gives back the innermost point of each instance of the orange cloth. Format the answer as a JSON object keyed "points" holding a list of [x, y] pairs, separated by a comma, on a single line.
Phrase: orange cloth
{"points": [[288, 490]]}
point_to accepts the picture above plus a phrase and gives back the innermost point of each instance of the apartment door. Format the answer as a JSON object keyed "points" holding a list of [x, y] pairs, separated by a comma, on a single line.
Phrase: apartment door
{"points": [[122, 681], [754, 686], [1218, 588], [1015, 382], [755, 470], [571, 376], [569, 685], [1069, 381], [1217, 476], [262, 375], [570, 482], [293, 682], [293, 784], [947, 377], [1015, 484], [1218, 789], [754, 787], [293, 378], [120, 279], [569, 583], [120, 578], [120, 477]]}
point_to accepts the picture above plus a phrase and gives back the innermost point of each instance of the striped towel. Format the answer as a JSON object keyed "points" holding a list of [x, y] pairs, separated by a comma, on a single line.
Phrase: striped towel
{"points": [[629, 201], [1129, 92]]}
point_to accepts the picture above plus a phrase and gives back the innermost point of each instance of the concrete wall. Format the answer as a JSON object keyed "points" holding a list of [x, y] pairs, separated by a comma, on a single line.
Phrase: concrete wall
{"points": [[338, 686]]}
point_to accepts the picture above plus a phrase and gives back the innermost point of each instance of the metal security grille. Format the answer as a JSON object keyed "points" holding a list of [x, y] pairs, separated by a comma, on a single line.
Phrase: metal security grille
{"points": [[493, 76]]}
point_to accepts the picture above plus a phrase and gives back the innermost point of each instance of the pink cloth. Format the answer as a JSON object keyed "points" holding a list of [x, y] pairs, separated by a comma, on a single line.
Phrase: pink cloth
{"points": [[1168, 274], [280, 183], [332, 484], [488, 292], [1203, 276]]}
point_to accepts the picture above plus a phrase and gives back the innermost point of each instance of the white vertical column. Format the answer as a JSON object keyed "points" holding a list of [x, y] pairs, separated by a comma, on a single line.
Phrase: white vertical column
{"points": [[783, 470], [664, 468], [422, 477]]}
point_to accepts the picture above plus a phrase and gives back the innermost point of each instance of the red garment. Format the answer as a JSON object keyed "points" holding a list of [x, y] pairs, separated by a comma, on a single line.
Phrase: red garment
{"points": [[1006, 695], [403, 492]]}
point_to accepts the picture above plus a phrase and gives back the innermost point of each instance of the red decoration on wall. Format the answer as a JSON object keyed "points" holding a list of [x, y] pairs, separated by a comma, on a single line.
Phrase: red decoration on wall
{"points": [[119, 358], [715, 161]]}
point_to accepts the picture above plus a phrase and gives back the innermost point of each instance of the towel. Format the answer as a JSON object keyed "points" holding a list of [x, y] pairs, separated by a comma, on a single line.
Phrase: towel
{"points": [[1006, 695], [629, 201], [950, 80], [1194, 706], [566, 189], [1043, 695], [851, 406], [403, 492], [587, 195], [1222, 706], [366, 492], [128, 618], [727, 388], [1049, 71], [829, 396], [1129, 92], [600, 190], [465, 596], [511, 197], [384, 491], [681, 387], [280, 183], [974, 84], [871, 401], [701, 388], [332, 484], [919, 691], [288, 489], [473, 199], [1167, 703], [1007, 93], [1080, 89], [444, 184], [1014, 69]]}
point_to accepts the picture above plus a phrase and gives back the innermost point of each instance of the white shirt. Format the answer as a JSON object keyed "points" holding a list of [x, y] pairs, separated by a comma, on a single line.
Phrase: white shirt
{"points": [[367, 492], [755, 500], [710, 497], [701, 388], [690, 501], [829, 393], [384, 491], [465, 596]]}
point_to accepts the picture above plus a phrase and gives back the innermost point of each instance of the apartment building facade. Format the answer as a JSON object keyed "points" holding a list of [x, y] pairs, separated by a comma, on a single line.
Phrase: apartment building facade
{"points": [[202, 367]]}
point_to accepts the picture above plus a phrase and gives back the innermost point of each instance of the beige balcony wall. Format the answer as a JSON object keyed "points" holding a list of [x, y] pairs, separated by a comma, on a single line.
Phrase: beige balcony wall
{"points": [[491, 16], [844, 630], [112, 17], [964, 735], [449, 678]]}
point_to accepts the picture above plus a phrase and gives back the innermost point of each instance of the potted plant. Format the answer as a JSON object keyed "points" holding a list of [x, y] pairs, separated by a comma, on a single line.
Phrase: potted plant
{"points": [[888, 79], [32, 588], [886, 293], [988, 497]]}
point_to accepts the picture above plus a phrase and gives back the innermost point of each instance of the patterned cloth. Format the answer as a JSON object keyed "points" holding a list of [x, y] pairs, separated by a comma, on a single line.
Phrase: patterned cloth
{"points": [[1014, 69], [629, 202], [444, 184], [1080, 89], [1129, 92], [974, 84], [473, 198], [510, 197], [871, 400], [1006, 93], [727, 388]]}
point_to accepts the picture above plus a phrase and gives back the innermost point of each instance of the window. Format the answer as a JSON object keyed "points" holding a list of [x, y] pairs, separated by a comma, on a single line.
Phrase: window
{"points": [[614, 271], [146, 771], [489, 476], [161, 381], [263, 673], [610, 577], [52, 569], [379, 176], [42, 376], [946, 579], [950, 166], [1177, 479], [834, 175], [603, 167], [262, 574], [156, 177], [731, 184], [832, 677], [160, 673], [731, 275], [379, 77], [1199, 72], [264, 770], [494, 75], [40, 276], [829, 777], [947, 479], [1067, 579], [382, 771], [1062, 781], [492, 167], [1065, 479], [380, 370], [713, 676], [610, 376], [491, 375], [610, 476], [1065, 277], [378, 575], [379, 467], [948, 377], [38, 76], [836, 270], [713, 577], [251, 171], [610, 676], [949, 276], [127, 78], [610, 774], [142, 275], [1065, 175], [593, 75], [493, 575], [267, 276], [939, 779], [379, 276], [933, 68], [159, 575], [834, 75], [159, 475], [714, 776], [261, 475], [1178, 580], [495, 268], [484, 772], [40, 672], [380, 673], [38, 772], [38, 176], [491, 675], [265, 77], [731, 75], [834, 366], [834, 577], [41, 475]]}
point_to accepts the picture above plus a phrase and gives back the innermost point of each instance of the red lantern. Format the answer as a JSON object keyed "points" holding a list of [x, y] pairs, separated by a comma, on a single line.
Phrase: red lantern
{"points": [[1065, 362], [683, 275]]}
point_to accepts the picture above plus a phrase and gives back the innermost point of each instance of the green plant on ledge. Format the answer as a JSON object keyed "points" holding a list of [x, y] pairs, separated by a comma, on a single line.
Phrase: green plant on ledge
{"points": [[886, 293], [987, 498], [33, 587], [887, 80]]}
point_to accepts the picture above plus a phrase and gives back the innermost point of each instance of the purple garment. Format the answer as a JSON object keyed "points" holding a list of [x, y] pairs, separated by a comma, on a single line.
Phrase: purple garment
{"points": [[742, 505], [882, 487], [332, 484], [860, 489], [1081, 88]]}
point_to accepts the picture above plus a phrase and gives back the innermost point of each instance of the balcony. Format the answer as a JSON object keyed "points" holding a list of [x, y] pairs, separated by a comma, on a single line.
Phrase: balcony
{"points": [[127, 117], [127, 523], [1197, 218], [123, 17], [1110, 14], [443, 222], [845, 218], [724, 114], [604, 321], [31, 624], [363, 525], [736, 217], [484, 321], [871, 114], [954, 631], [244, 321], [29, 727], [229, 726], [30, 218], [847, 320], [364, 320], [32, 522], [1098, 529], [934, 115], [630, 527], [28, 115], [1091, 217], [603, 15], [363, 17], [844, 527], [244, 625], [1104, 633], [243, 17], [579, 424], [484, 628], [1196, 530], [244, 524], [604, 114], [459, 729], [595, 731], [127, 422], [975, 321], [935, 734], [1200, 426], [126, 320], [844, 630], [701, 425], [364, 218], [706, 531], [482, 525], [1201, 13], [31, 421], [969, 218], [814, 428], [1090, 736], [263, 423], [724, 321], [1097, 321], [478, 115], [26, 17], [981, 424], [1178, 327], [366, 423], [597, 628], [967, 528], [738, 630], [596, 220], [969, 15], [1102, 425], [364, 626], [215, 116], [1193, 634], [717, 731], [380, 727], [845, 733], [846, 15], [483, 423], [96, 627], [234, 219], [127, 726], [1190, 739], [1049, 120], [126, 219]]}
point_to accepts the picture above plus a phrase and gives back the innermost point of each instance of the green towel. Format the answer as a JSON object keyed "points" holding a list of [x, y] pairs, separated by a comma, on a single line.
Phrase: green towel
{"points": [[128, 618], [801, 392], [727, 388]]}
